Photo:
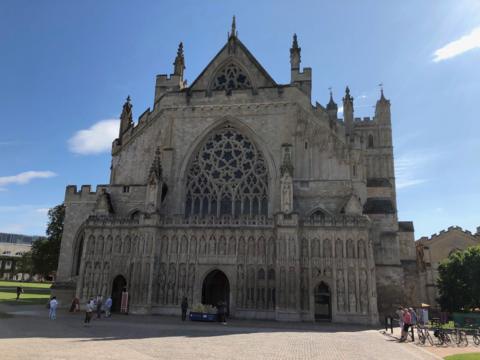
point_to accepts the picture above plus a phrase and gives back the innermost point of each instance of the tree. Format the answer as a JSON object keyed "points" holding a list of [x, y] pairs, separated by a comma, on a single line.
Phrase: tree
{"points": [[458, 281], [25, 264], [46, 251]]}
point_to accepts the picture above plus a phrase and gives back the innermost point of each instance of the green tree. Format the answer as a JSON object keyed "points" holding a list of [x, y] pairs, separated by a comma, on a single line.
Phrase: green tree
{"points": [[45, 251], [25, 264], [458, 282]]}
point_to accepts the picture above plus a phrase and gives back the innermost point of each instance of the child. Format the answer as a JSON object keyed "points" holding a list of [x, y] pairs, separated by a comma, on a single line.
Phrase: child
{"points": [[53, 308]]}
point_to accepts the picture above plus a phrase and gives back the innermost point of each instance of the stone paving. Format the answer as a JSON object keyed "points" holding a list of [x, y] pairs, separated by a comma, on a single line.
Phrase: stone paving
{"points": [[28, 334]]}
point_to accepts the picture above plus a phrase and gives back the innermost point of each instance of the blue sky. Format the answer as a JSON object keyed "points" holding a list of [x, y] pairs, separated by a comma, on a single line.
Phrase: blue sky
{"points": [[66, 68]]}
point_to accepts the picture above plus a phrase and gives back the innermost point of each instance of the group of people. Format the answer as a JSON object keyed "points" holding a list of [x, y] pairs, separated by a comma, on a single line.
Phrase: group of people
{"points": [[92, 306], [408, 317], [97, 306]]}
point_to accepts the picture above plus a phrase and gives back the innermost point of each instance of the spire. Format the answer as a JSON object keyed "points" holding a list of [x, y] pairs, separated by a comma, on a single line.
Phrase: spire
{"points": [[382, 97], [347, 94], [331, 104], [348, 111], [295, 54], [295, 42], [233, 32], [232, 37], [156, 169], [126, 117], [179, 64], [382, 108]]}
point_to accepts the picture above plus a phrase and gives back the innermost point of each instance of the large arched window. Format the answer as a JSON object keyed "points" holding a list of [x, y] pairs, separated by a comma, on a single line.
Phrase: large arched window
{"points": [[231, 77], [227, 176]]}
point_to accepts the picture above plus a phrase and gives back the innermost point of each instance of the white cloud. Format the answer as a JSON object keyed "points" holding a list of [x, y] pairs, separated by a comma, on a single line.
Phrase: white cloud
{"points": [[24, 178], [28, 219], [13, 228], [96, 139], [42, 211], [407, 167], [340, 110], [459, 46]]}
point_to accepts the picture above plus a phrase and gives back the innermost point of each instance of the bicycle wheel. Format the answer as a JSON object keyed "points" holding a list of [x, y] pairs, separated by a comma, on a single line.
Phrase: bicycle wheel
{"points": [[429, 338], [454, 336], [476, 339], [421, 337], [465, 338]]}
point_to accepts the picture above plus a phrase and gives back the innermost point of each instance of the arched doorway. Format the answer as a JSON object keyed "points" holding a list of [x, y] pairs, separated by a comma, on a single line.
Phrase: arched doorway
{"points": [[119, 283], [323, 304], [216, 289]]}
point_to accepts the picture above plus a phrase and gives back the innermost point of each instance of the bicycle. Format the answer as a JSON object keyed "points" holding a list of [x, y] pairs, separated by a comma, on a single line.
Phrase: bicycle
{"points": [[442, 336], [475, 332], [461, 337], [476, 337], [424, 335]]}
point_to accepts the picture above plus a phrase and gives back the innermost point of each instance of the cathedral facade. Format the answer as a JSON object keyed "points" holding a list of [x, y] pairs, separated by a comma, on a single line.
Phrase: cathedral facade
{"points": [[236, 189]]}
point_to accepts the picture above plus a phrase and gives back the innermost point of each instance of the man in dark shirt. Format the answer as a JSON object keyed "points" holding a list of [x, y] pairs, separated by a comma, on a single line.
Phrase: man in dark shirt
{"points": [[184, 308], [19, 291]]}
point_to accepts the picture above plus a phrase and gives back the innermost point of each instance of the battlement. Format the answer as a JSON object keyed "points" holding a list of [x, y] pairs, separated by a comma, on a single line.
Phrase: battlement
{"points": [[442, 232], [367, 120], [85, 193], [305, 75]]}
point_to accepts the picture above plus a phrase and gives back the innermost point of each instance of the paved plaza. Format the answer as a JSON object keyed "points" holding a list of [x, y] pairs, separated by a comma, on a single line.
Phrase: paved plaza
{"points": [[26, 333]]}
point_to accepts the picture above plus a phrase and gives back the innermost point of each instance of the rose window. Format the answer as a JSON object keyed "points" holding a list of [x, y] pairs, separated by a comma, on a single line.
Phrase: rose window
{"points": [[227, 176], [231, 77]]}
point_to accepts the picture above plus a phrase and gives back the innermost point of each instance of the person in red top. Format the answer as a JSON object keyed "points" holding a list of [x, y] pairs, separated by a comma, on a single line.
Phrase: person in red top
{"points": [[407, 321]]}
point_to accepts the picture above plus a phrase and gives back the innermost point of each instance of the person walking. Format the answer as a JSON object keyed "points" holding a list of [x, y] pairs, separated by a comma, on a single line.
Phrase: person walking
{"points": [[221, 311], [399, 314], [413, 314], [108, 306], [88, 312], [184, 307], [19, 291], [407, 320], [52, 314], [99, 304]]}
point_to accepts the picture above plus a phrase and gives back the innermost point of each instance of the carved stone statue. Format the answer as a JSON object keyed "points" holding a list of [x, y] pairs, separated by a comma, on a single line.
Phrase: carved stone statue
{"points": [[363, 291], [286, 194], [240, 285], [352, 299], [340, 291]]}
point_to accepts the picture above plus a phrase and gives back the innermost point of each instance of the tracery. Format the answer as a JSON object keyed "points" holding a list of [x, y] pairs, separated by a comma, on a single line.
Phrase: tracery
{"points": [[231, 77], [227, 176]]}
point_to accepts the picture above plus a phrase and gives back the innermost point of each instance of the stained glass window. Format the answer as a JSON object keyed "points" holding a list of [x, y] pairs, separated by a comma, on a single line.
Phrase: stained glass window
{"points": [[227, 176]]}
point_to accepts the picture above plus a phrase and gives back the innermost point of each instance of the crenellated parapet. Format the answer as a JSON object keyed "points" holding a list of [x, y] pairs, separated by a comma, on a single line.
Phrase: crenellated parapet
{"points": [[85, 194], [435, 236]]}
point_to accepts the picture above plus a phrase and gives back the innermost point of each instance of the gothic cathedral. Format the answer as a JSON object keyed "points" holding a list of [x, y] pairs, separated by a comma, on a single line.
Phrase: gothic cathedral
{"points": [[236, 189]]}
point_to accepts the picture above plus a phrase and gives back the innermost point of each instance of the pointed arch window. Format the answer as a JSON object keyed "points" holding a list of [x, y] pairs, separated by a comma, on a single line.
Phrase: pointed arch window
{"points": [[231, 77], [228, 176], [370, 141]]}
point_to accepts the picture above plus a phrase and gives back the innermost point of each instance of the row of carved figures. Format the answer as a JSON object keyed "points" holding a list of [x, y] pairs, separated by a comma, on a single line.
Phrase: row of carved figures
{"points": [[251, 247]]}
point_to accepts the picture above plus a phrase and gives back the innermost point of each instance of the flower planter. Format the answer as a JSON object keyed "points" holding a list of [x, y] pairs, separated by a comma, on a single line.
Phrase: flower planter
{"points": [[198, 316]]}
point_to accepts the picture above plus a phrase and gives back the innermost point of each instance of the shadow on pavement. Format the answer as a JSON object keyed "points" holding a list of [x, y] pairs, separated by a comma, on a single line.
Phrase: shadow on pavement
{"points": [[32, 321]]}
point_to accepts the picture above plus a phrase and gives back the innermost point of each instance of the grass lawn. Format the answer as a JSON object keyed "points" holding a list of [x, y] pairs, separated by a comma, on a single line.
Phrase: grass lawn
{"points": [[33, 293], [471, 356], [42, 285]]}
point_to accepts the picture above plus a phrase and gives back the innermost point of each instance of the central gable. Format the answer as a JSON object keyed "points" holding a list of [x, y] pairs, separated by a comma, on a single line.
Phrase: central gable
{"points": [[234, 67]]}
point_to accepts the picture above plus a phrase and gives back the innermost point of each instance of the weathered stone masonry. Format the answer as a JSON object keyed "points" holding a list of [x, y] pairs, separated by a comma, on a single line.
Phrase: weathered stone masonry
{"points": [[239, 175]]}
